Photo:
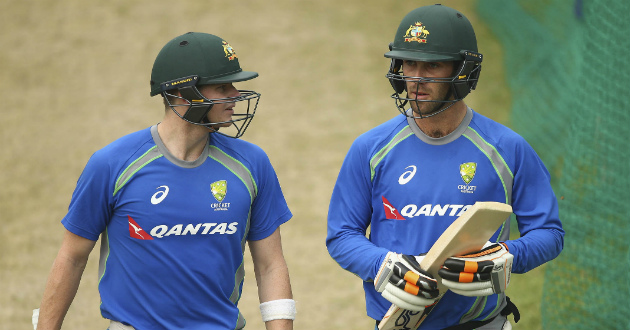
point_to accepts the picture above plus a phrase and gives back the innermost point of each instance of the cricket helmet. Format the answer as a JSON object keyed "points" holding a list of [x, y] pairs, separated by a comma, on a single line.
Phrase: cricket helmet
{"points": [[435, 33], [194, 59]]}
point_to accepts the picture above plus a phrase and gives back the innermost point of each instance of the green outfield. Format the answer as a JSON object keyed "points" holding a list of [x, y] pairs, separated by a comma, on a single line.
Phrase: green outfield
{"points": [[76, 77]]}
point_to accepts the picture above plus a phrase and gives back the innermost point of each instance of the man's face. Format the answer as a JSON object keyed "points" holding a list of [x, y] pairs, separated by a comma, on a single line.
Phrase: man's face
{"points": [[423, 91], [220, 112]]}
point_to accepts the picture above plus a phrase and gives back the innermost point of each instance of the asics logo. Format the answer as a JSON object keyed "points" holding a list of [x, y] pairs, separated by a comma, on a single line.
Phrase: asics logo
{"points": [[160, 195], [407, 175]]}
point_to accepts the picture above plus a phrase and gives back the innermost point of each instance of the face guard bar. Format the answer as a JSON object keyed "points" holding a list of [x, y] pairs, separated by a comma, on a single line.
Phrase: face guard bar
{"points": [[463, 81], [196, 110]]}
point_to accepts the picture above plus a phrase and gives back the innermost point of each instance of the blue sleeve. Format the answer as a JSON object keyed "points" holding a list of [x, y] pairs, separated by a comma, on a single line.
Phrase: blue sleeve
{"points": [[91, 204], [536, 208], [270, 208], [349, 216]]}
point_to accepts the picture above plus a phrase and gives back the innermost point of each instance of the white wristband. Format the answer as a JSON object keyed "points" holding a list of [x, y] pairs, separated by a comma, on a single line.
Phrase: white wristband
{"points": [[281, 309]]}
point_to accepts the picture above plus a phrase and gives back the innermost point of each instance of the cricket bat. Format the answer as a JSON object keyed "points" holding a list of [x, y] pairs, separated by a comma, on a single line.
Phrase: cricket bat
{"points": [[466, 234]]}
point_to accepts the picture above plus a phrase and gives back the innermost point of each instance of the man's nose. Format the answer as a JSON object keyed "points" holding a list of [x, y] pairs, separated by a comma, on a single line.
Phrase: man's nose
{"points": [[233, 91]]}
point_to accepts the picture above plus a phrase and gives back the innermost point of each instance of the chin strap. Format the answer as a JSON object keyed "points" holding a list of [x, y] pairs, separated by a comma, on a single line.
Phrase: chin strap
{"points": [[199, 107]]}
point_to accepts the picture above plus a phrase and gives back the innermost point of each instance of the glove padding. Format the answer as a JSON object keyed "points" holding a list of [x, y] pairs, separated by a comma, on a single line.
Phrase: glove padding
{"points": [[480, 273], [401, 281]]}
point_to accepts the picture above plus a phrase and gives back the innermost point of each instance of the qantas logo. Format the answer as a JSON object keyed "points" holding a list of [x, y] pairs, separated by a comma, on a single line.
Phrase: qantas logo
{"points": [[136, 231], [161, 231], [428, 210], [390, 211]]}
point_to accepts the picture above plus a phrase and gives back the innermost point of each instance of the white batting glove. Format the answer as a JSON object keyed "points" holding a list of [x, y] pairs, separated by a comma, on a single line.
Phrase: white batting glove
{"points": [[480, 273], [35, 318], [401, 281]]}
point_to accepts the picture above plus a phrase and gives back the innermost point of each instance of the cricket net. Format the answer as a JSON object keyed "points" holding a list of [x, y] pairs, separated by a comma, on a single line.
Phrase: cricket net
{"points": [[568, 71]]}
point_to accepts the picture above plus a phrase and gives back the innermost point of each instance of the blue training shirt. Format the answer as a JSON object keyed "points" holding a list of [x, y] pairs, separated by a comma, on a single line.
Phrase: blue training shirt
{"points": [[174, 232], [408, 188]]}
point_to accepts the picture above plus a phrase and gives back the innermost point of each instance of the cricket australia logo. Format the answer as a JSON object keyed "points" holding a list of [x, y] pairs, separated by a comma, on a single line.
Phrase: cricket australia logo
{"points": [[219, 191], [467, 171], [230, 53], [417, 32]]}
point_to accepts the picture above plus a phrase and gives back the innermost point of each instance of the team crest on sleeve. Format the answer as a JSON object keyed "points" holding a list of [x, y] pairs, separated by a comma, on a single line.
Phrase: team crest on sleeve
{"points": [[467, 172], [230, 53], [417, 32]]}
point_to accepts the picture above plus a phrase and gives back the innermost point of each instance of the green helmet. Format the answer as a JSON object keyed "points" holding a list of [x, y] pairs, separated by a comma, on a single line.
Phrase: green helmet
{"points": [[435, 33], [204, 55], [195, 59]]}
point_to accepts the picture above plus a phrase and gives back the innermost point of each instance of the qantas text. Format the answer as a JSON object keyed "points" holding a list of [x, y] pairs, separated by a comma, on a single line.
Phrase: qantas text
{"points": [[413, 210], [223, 228]]}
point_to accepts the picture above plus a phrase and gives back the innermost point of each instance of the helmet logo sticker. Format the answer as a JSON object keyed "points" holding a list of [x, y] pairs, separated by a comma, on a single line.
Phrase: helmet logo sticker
{"points": [[230, 53], [417, 32]]}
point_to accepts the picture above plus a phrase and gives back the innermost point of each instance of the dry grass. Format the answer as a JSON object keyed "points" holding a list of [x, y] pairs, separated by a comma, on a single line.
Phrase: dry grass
{"points": [[75, 77]]}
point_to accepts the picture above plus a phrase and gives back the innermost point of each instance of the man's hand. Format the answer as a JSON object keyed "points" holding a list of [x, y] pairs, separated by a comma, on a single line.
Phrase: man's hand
{"points": [[480, 273], [401, 281]]}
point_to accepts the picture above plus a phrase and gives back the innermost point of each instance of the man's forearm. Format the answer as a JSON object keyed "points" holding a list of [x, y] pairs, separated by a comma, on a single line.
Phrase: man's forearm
{"points": [[279, 325], [275, 285], [61, 288]]}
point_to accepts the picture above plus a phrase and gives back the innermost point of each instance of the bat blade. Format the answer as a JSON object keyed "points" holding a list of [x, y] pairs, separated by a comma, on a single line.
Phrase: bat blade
{"points": [[468, 233]]}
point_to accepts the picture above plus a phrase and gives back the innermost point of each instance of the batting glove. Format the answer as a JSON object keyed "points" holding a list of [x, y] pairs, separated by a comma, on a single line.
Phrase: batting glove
{"points": [[401, 281], [480, 273]]}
